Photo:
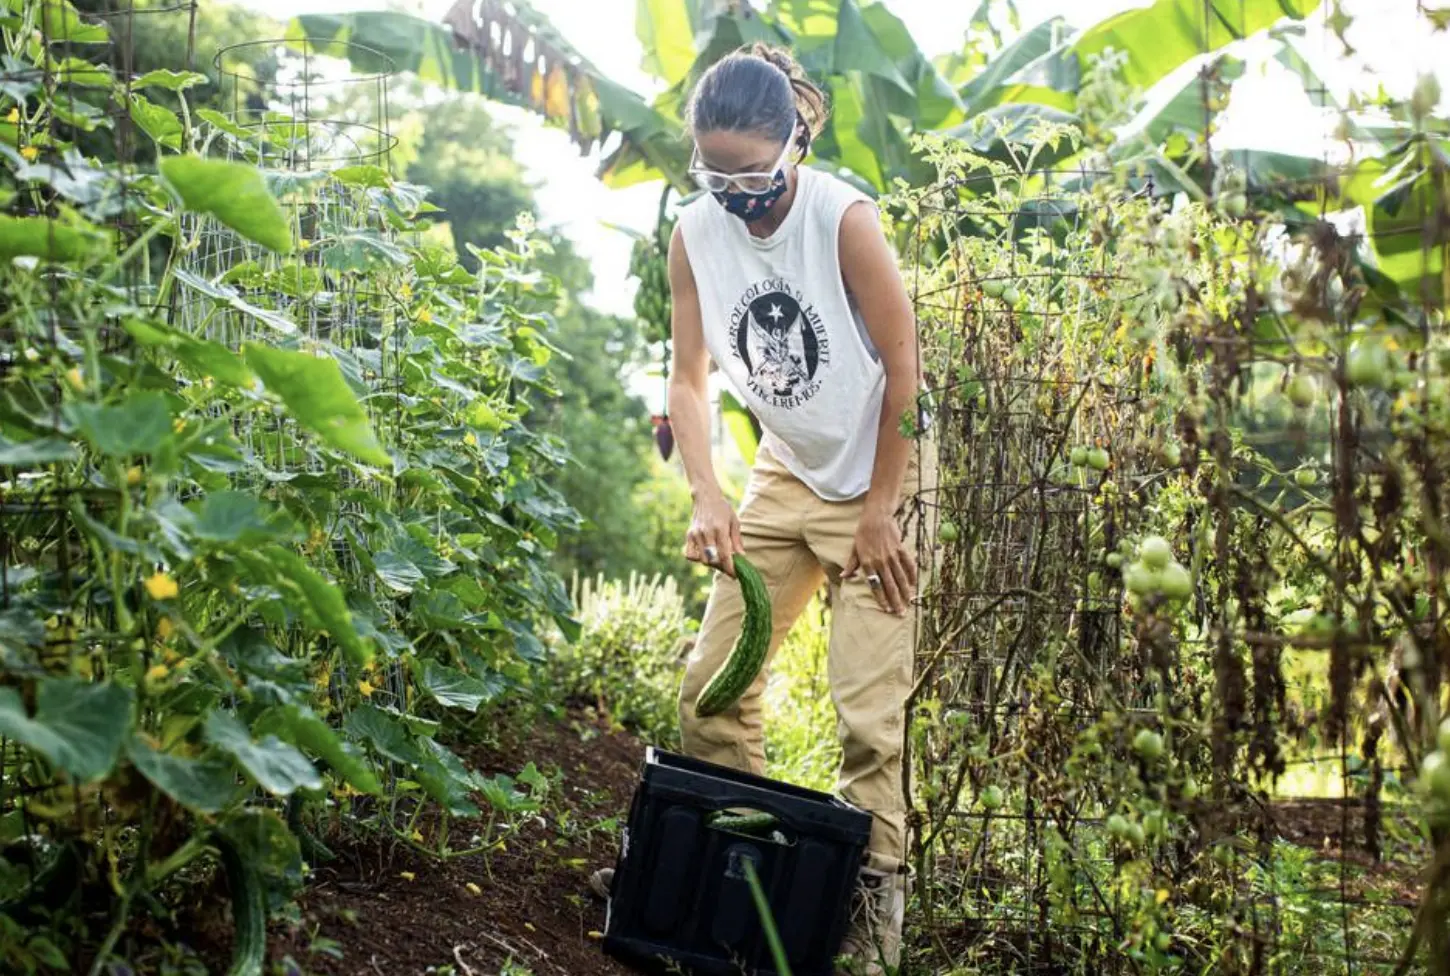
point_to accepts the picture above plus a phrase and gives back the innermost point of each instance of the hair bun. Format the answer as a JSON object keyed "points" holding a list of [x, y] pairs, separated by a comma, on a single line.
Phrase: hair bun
{"points": [[780, 57]]}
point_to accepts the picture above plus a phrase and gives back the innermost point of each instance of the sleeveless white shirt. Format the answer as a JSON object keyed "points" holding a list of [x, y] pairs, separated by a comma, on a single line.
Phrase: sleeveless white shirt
{"points": [[779, 324]]}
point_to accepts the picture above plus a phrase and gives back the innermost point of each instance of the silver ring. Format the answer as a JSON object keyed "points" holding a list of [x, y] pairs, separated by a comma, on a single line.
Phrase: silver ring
{"points": [[711, 554], [873, 581]]}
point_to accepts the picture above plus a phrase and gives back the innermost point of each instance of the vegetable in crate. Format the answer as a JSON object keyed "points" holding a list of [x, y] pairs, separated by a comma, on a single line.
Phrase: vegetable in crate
{"points": [[748, 655]]}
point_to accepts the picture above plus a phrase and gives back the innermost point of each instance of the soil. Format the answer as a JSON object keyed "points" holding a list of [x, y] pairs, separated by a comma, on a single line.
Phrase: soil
{"points": [[383, 908], [392, 911]]}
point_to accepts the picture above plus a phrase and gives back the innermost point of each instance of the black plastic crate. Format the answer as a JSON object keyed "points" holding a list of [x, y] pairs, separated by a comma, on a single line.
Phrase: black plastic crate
{"points": [[680, 899]]}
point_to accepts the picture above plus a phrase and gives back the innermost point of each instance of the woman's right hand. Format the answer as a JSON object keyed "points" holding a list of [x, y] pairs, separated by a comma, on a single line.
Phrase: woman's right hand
{"points": [[714, 535]]}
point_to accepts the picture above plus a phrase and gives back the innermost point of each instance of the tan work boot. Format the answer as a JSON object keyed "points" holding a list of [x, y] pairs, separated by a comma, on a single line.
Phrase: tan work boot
{"points": [[872, 946], [600, 882]]}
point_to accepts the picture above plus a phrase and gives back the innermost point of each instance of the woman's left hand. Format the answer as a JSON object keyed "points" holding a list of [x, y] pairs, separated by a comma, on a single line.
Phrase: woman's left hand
{"points": [[890, 570]]}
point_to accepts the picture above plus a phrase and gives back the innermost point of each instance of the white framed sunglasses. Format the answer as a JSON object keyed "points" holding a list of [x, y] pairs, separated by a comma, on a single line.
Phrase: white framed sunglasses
{"points": [[754, 184]]}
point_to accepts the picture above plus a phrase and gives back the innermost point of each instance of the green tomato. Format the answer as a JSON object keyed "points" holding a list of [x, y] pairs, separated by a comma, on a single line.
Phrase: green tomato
{"points": [[1305, 477], [1135, 834], [1118, 826], [1114, 560], [1190, 788], [1175, 582], [1435, 776], [1162, 941], [1368, 363], [1078, 456], [1235, 204], [1301, 391], [1097, 459], [1148, 744], [991, 798], [1140, 580], [993, 287], [1171, 455], [1011, 295], [1154, 824], [947, 531], [1155, 552]]}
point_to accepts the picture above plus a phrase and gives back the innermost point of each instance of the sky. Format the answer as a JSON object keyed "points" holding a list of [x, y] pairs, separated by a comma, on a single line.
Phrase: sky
{"points": [[1268, 111]]}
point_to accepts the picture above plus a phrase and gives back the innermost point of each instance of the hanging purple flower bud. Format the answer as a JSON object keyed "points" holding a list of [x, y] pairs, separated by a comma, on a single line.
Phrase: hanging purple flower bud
{"points": [[664, 436]]}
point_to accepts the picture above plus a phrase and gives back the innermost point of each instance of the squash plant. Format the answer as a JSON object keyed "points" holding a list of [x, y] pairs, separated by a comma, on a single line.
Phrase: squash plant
{"points": [[272, 509]]}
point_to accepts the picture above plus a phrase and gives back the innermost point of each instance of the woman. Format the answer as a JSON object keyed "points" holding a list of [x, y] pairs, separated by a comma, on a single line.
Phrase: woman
{"points": [[782, 276]]}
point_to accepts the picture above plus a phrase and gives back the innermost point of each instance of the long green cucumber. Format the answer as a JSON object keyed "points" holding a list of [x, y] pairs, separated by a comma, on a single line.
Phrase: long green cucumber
{"points": [[744, 823], [249, 910], [747, 657]]}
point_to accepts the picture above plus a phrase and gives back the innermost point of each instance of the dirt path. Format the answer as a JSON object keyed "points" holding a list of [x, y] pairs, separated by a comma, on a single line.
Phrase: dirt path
{"points": [[387, 909]]}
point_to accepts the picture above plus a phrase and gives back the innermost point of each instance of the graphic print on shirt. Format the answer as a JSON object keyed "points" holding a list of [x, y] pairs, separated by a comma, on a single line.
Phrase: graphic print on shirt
{"points": [[779, 338]]}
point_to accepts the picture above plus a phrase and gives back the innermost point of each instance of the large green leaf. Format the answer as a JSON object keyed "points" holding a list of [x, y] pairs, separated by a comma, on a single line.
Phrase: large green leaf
{"points": [[316, 736], [53, 240], [203, 356], [321, 600], [453, 688], [203, 785], [667, 35], [1169, 33], [236, 517], [1184, 111], [276, 766], [41, 450], [157, 121], [264, 840], [318, 398], [137, 425], [170, 80], [931, 101], [982, 90], [60, 22], [373, 727], [79, 726], [234, 193], [228, 295]]}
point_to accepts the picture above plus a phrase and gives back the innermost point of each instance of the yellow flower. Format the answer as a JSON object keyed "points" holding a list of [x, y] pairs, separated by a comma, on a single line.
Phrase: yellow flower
{"points": [[366, 688], [178, 425], [30, 153], [417, 835], [161, 586], [406, 291], [425, 316], [74, 378], [156, 672], [133, 475], [473, 889], [1162, 895], [14, 115], [407, 875], [469, 439], [164, 628], [303, 242]]}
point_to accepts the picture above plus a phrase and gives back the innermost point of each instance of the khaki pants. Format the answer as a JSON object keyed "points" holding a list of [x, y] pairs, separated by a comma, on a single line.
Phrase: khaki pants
{"points": [[798, 541]]}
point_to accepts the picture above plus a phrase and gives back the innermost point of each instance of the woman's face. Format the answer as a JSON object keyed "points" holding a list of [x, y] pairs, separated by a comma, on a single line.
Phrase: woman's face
{"points": [[737, 152]]}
